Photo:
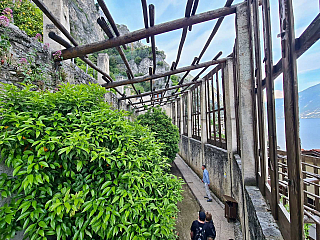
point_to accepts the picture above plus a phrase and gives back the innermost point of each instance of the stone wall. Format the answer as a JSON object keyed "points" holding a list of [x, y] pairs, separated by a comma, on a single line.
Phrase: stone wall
{"points": [[251, 204], [22, 46]]}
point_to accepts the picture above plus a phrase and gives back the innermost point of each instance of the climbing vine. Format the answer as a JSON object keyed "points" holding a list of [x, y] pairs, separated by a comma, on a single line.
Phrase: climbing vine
{"points": [[80, 170]]}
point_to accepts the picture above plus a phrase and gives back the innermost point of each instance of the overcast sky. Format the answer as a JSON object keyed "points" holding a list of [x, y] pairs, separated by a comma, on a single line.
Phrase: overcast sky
{"points": [[130, 14]]}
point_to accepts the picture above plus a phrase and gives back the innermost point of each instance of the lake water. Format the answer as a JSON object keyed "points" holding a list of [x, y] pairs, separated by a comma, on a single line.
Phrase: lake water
{"points": [[309, 133]]}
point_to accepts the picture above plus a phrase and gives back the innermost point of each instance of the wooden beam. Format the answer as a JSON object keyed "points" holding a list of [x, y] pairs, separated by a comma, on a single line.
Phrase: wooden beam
{"points": [[291, 110], [145, 15], [272, 132], [158, 91], [302, 44], [153, 41], [66, 44], [260, 101], [143, 33], [110, 19], [214, 31], [55, 21], [194, 9], [159, 75]]}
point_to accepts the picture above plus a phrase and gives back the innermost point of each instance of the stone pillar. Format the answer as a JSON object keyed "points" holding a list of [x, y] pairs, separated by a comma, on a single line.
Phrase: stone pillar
{"points": [[61, 11], [231, 131], [189, 102], [176, 113], [245, 85], [203, 110], [103, 64], [181, 116]]}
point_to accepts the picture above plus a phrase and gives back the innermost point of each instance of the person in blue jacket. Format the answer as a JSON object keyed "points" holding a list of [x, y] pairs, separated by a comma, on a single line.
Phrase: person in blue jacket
{"points": [[206, 182]]}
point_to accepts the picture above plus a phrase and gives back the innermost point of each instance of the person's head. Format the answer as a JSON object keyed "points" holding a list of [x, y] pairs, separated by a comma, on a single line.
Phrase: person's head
{"points": [[208, 217], [203, 167], [202, 216]]}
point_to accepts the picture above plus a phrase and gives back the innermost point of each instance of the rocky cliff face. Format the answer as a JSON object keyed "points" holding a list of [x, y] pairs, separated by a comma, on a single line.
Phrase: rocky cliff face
{"points": [[83, 16]]}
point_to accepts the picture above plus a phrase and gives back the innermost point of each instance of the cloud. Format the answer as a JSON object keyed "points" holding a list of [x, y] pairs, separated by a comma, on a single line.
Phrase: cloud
{"points": [[278, 94]]}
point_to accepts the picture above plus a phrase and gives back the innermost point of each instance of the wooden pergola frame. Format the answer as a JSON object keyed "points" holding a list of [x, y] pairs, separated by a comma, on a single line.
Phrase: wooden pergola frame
{"points": [[292, 49]]}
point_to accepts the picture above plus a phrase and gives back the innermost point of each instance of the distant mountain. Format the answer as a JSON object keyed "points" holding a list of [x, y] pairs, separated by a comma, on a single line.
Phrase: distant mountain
{"points": [[309, 103]]}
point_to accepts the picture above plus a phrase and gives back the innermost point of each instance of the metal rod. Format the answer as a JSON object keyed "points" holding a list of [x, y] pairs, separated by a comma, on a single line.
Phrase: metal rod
{"points": [[143, 33]]}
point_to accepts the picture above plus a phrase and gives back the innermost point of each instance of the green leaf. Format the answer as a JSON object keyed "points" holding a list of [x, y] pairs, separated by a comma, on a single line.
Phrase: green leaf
{"points": [[24, 215], [42, 224], [16, 170], [44, 164], [87, 207]]}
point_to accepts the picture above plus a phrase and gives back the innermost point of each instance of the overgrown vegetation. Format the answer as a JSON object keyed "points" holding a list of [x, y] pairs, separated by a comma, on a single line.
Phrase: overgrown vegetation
{"points": [[26, 15], [80, 170], [167, 133]]}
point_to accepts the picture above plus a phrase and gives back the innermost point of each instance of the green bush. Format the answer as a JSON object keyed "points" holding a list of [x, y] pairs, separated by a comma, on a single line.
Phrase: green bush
{"points": [[160, 64], [80, 170], [27, 16], [138, 60], [166, 132]]}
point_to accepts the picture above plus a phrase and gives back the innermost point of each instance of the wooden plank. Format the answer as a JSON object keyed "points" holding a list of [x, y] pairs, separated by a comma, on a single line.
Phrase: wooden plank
{"points": [[207, 79], [316, 188], [218, 105], [260, 102], [213, 111], [291, 109], [272, 135], [160, 75], [143, 33]]}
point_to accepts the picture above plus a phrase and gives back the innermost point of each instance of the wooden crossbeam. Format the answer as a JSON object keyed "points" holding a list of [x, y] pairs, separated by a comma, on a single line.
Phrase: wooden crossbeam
{"points": [[158, 91], [160, 75], [143, 33]]}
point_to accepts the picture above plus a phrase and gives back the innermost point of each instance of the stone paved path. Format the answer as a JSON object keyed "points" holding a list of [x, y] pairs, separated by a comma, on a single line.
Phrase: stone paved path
{"points": [[225, 230]]}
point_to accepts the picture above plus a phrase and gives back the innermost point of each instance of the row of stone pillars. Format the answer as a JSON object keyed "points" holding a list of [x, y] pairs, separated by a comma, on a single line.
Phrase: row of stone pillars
{"points": [[244, 72]]}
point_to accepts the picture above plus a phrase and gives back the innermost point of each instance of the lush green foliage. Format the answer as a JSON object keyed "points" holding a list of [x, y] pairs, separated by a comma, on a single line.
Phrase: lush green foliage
{"points": [[174, 80], [80, 170], [166, 132], [27, 16]]}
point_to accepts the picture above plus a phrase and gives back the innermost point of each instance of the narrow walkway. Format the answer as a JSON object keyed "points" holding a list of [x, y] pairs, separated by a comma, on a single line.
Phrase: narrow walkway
{"points": [[225, 230]]}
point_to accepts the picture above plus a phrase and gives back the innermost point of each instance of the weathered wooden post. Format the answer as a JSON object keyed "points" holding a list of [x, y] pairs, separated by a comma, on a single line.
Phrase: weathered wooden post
{"points": [[291, 113]]}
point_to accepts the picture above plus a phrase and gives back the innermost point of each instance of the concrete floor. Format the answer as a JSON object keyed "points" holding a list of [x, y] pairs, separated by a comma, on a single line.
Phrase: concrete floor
{"points": [[225, 230]]}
